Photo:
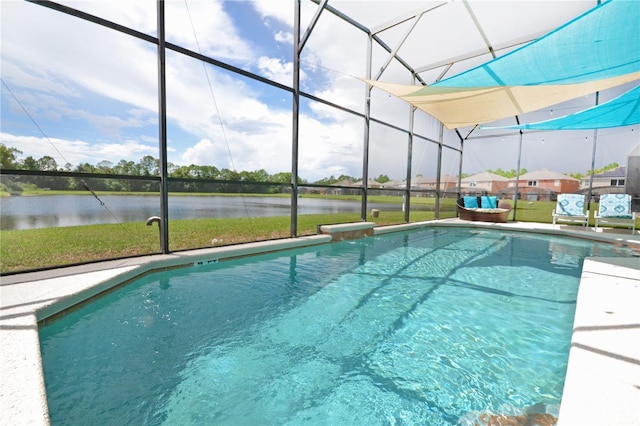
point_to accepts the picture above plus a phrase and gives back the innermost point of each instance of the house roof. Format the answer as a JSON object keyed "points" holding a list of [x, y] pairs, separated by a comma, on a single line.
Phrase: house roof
{"points": [[396, 184], [544, 174], [619, 172], [466, 188], [419, 180], [485, 177], [528, 190], [345, 182]]}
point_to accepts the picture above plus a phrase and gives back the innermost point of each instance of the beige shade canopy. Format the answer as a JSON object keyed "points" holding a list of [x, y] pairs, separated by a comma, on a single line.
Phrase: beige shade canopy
{"points": [[459, 107]]}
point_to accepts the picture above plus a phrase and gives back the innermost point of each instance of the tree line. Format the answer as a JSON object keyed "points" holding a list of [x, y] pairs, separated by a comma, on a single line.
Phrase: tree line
{"points": [[191, 178]]}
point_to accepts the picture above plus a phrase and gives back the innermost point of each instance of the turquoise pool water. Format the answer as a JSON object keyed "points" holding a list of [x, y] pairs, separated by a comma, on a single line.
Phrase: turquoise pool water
{"points": [[428, 327]]}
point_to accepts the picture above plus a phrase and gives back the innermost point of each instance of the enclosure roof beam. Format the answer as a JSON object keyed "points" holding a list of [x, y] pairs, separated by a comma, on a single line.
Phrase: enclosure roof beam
{"points": [[479, 28], [367, 31], [478, 52], [394, 52], [312, 24], [344, 17], [405, 17]]}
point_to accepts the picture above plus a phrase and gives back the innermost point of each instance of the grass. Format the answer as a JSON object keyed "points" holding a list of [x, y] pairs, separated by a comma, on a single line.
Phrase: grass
{"points": [[31, 249]]}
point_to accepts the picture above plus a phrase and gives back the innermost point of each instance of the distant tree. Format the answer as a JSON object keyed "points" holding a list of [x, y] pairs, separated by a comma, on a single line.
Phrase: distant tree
{"points": [[513, 173], [125, 167], [226, 174], [332, 180], [282, 177], [85, 168], [255, 176], [149, 166], [182, 172], [507, 173], [347, 177], [204, 172], [382, 179], [611, 166], [105, 166], [47, 163], [578, 175], [30, 163], [8, 157], [326, 181]]}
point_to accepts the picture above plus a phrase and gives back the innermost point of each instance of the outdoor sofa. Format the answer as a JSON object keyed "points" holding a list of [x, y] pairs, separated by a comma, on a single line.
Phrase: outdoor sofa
{"points": [[483, 209]]}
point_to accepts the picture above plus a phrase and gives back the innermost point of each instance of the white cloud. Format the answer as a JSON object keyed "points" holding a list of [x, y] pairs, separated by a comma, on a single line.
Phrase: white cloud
{"points": [[277, 70], [101, 61], [139, 14], [77, 151], [283, 37], [203, 152], [215, 34], [259, 141], [111, 126], [281, 11]]}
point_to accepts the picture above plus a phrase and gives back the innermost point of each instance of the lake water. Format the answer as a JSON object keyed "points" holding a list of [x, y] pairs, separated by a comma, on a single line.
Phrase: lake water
{"points": [[50, 211]]}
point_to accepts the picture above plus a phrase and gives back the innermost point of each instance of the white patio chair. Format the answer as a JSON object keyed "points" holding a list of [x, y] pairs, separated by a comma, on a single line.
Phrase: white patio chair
{"points": [[570, 208], [615, 209]]}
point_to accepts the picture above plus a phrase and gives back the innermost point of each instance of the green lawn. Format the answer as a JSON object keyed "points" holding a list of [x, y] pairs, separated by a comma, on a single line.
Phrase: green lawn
{"points": [[40, 248]]}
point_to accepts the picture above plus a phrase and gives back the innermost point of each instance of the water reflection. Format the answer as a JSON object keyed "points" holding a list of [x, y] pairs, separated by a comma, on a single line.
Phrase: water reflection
{"points": [[72, 210]]}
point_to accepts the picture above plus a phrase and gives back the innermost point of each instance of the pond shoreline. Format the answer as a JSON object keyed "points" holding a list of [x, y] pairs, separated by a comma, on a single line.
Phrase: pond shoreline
{"points": [[60, 209]]}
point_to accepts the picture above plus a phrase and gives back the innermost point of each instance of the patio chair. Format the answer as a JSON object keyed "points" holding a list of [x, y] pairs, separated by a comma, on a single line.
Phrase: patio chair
{"points": [[615, 209], [570, 208]]}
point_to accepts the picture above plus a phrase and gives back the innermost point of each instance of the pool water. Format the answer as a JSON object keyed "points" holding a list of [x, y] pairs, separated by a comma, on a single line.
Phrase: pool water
{"points": [[430, 327]]}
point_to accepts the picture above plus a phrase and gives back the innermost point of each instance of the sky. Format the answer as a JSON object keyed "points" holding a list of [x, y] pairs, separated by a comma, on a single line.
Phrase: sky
{"points": [[82, 93]]}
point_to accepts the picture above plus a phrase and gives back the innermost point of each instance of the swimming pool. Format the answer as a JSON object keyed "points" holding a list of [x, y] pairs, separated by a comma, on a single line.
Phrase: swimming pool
{"points": [[423, 327]]}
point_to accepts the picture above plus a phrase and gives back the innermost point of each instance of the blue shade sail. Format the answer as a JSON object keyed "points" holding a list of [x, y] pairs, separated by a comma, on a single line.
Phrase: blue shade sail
{"points": [[621, 111], [603, 42]]}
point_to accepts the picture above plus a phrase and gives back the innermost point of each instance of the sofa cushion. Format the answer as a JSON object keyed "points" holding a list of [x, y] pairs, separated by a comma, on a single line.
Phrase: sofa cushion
{"points": [[570, 205], [489, 202], [471, 202], [615, 206]]}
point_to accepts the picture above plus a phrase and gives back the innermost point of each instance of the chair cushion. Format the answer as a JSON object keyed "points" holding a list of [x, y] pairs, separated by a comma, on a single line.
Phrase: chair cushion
{"points": [[615, 206], [489, 202], [570, 205], [471, 202]]}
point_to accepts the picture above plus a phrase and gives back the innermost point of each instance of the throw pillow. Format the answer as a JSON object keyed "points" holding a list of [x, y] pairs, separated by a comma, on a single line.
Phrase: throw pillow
{"points": [[471, 202]]}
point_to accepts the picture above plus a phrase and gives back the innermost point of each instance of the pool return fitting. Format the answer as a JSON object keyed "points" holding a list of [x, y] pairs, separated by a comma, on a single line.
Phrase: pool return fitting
{"points": [[156, 219]]}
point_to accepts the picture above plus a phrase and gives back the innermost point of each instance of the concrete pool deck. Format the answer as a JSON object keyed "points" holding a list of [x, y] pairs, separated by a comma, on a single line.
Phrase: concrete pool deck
{"points": [[602, 384]]}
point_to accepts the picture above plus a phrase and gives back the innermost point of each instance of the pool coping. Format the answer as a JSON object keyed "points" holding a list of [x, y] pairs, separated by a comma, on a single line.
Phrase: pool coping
{"points": [[602, 384]]}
